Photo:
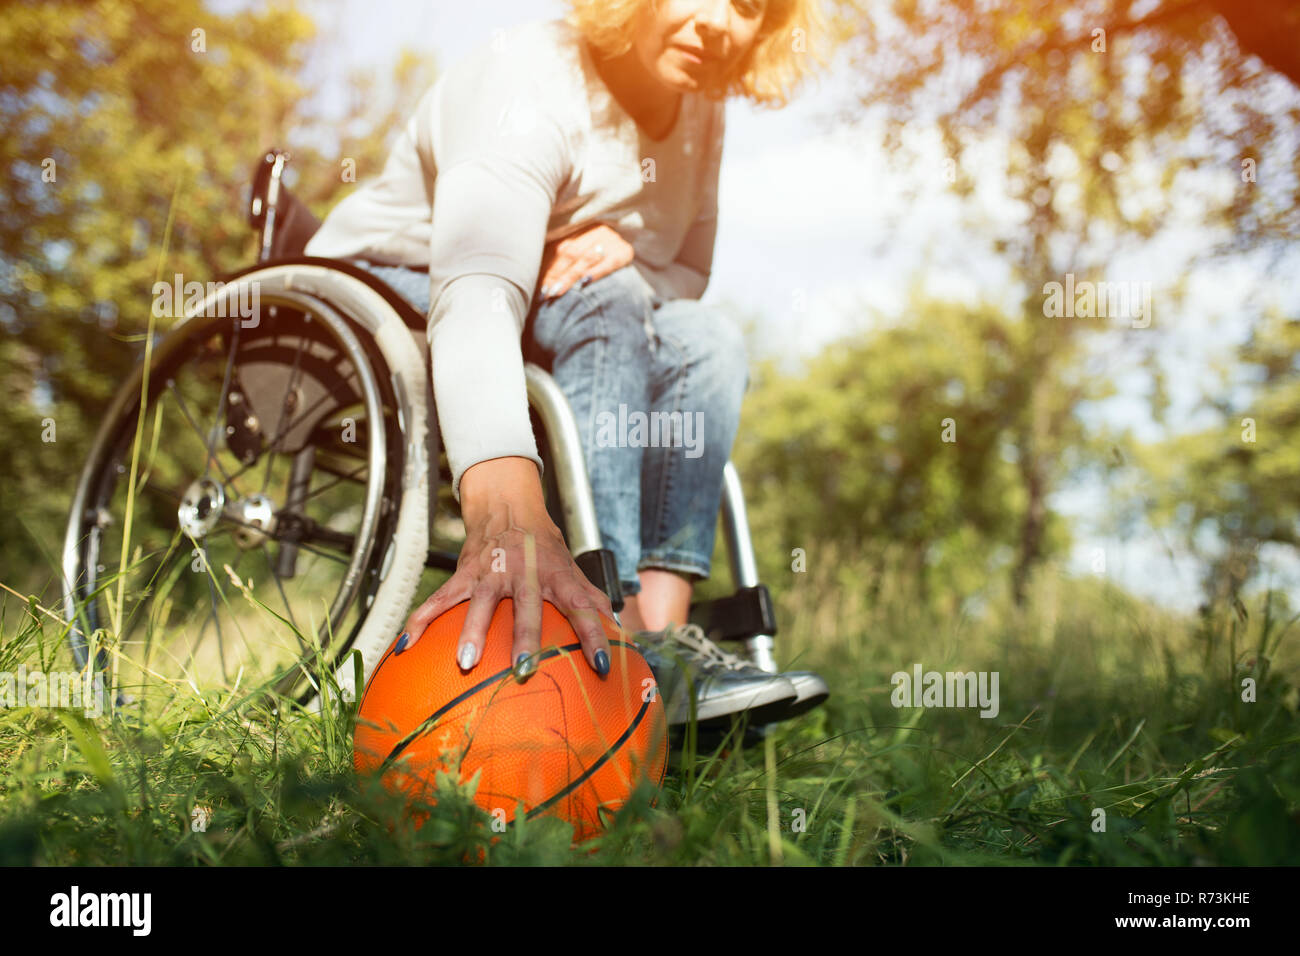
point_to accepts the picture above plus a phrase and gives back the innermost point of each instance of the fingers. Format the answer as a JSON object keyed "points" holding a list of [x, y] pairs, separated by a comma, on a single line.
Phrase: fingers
{"points": [[570, 268], [559, 273], [592, 254], [583, 605], [473, 634], [528, 613], [528, 630], [566, 587], [454, 590]]}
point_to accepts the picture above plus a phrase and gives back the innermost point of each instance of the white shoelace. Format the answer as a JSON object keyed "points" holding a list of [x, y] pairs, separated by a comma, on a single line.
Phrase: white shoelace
{"points": [[700, 648]]}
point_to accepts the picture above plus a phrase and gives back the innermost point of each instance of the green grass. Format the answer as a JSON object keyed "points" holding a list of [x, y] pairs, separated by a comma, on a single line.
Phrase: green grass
{"points": [[1106, 704]]}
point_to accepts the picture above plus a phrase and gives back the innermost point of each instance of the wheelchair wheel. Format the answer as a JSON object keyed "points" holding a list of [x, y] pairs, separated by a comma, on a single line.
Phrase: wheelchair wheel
{"points": [[255, 503]]}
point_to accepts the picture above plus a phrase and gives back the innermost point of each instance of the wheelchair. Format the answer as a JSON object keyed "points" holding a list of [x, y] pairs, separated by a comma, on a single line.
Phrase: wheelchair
{"points": [[267, 487]]}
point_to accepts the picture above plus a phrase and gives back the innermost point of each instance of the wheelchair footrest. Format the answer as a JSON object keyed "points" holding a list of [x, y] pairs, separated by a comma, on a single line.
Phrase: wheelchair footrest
{"points": [[744, 614]]}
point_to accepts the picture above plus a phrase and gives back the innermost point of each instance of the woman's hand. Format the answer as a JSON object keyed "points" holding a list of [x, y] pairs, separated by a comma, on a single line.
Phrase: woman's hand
{"points": [[513, 550], [591, 253]]}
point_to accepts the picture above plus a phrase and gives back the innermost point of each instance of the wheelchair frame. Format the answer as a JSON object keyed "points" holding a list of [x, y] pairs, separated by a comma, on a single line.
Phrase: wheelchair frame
{"points": [[284, 225]]}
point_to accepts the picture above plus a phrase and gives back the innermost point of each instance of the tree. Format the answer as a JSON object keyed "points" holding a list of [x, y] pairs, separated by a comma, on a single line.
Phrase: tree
{"points": [[1092, 103], [131, 133], [898, 447], [1238, 479]]}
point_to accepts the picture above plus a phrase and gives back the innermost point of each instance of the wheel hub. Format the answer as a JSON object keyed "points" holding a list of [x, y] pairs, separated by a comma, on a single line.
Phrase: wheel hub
{"points": [[201, 507], [256, 515]]}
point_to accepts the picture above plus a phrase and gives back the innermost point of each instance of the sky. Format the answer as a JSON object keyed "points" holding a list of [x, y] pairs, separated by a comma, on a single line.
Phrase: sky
{"points": [[811, 214]]}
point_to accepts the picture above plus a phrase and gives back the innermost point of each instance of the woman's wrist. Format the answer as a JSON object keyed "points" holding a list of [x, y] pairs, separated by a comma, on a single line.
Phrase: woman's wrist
{"points": [[487, 487]]}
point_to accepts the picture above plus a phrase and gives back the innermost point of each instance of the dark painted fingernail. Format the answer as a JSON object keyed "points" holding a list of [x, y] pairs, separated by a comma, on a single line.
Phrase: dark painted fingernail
{"points": [[401, 643], [602, 662], [524, 665]]}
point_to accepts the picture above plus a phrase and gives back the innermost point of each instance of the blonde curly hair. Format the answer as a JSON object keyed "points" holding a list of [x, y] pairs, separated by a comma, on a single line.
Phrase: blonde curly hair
{"points": [[788, 49]]}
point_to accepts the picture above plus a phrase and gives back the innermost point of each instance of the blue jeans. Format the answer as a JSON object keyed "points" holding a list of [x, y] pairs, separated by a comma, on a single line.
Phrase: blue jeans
{"points": [[655, 386]]}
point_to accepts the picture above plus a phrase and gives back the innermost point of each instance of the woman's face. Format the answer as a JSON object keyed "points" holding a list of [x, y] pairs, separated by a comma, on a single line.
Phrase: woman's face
{"points": [[693, 45]]}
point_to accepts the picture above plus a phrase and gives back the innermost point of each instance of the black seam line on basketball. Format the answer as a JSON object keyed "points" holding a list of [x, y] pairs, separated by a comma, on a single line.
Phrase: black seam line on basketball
{"points": [[431, 720], [583, 777]]}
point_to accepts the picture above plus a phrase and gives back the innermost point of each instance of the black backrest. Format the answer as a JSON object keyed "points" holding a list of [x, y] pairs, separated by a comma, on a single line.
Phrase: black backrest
{"points": [[291, 222]]}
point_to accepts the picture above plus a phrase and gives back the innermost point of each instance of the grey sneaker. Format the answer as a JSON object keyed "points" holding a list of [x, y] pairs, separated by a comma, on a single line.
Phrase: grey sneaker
{"points": [[682, 659], [812, 691]]}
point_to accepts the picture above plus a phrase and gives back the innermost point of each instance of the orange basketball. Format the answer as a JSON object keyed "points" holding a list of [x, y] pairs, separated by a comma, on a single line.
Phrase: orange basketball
{"points": [[564, 741]]}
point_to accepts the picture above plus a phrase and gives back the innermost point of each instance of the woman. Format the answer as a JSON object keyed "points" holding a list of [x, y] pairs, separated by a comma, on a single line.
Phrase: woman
{"points": [[572, 166]]}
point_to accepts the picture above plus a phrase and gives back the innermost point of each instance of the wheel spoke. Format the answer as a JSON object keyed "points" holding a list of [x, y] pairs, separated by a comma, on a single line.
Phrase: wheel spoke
{"points": [[212, 457], [165, 563], [284, 412], [225, 392], [345, 449], [306, 412], [270, 566], [351, 476], [322, 516], [169, 493], [317, 536]]}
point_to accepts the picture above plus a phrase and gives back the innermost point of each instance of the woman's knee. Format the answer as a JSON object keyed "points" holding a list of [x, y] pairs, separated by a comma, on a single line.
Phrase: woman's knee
{"points": [[707, 339], [728, 343]]}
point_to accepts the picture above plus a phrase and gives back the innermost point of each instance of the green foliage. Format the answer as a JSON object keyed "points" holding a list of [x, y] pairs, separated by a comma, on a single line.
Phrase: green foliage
{"points": [[1108, 704], [1099, 102], [129, 144], [1105, 704], [904, 444], [1237, 479], [1100, 116]]}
